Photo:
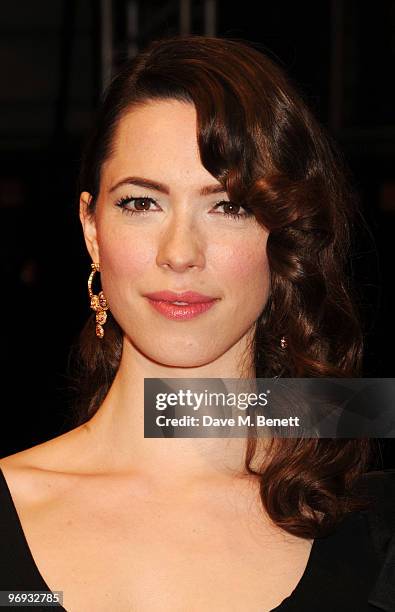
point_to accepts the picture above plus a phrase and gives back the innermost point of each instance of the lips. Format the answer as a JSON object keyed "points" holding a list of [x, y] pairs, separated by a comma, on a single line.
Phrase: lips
{"points": [[190, 297]]}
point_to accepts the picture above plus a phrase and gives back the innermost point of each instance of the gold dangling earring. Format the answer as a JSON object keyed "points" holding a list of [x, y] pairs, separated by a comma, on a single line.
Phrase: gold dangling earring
{"points": [[98, 303], [283, 342]]}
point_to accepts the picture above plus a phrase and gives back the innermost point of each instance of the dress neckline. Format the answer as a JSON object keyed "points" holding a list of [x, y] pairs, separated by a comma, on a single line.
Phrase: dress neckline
{"points": [[22, 536], [282, 607]]}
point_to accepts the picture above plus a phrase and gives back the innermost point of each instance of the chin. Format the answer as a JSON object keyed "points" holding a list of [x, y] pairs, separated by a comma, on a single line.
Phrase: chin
{"points": [[182, 359], [183, 363], [177, 352]]}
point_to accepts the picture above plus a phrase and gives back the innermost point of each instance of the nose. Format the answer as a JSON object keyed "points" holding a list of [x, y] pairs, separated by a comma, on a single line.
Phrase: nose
{"points": [[180, 245]]}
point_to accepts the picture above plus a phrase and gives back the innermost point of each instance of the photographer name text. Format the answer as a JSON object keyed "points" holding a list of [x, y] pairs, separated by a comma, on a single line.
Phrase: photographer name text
{"points": [[240, 421]]}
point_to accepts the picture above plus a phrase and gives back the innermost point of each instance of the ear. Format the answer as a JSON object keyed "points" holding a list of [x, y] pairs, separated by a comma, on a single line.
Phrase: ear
{"points": [[89, 227]]}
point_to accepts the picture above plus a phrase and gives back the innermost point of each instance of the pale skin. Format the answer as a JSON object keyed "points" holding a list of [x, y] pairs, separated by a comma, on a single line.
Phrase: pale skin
{"points": [[159, 525]]}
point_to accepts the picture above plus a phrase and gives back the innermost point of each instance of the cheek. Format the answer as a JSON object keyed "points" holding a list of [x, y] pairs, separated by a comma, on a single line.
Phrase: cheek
{"points": [[122, 258], [244, 267], [245, 274], [125, 260]]}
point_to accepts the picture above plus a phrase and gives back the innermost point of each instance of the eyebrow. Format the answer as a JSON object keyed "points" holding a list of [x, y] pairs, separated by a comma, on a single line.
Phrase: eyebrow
{"points": [[161, 187]]}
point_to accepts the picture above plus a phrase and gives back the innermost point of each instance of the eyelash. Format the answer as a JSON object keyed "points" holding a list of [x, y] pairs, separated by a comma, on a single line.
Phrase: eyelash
{"points": [[126, 199]]}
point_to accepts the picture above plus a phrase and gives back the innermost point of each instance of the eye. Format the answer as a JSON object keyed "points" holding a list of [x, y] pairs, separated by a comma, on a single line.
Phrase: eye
{"points": [[142, 206], [142, 201], [234, 208]]}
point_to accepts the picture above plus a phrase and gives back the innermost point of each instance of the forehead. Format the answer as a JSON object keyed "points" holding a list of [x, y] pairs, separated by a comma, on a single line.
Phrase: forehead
{"points": [[159, 140]]}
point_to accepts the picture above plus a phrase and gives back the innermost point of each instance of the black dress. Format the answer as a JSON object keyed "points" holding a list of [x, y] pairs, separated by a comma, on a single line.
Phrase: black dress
{"points": [[351, 570]]}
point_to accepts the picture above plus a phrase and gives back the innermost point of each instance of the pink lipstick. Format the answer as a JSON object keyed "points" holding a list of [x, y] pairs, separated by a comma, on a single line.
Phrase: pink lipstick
{"points": [[180, 306]]}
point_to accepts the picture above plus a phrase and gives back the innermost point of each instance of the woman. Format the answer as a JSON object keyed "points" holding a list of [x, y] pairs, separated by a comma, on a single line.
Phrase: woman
{"points": [[205, 174]]}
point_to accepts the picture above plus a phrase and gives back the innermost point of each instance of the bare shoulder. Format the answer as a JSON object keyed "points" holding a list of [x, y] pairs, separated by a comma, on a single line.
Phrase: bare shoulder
{"points": [[38, 470]]}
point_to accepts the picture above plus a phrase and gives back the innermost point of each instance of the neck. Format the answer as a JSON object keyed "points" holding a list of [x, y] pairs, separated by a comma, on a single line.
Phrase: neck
{"points": [[117, 428]]}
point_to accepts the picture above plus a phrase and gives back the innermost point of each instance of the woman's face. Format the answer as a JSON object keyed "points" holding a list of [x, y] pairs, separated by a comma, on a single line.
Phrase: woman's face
{"points": [[184, 241]]}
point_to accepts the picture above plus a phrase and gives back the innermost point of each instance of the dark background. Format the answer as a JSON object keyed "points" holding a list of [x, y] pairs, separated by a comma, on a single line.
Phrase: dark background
{"points": [[57, 56]]}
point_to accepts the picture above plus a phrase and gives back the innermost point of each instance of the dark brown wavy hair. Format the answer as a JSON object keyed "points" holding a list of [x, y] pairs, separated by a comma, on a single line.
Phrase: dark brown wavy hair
{"points": [[257, 137]]}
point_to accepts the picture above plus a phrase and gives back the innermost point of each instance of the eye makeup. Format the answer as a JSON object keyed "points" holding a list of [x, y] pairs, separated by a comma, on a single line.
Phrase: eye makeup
{"points": [[125, 200]]}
